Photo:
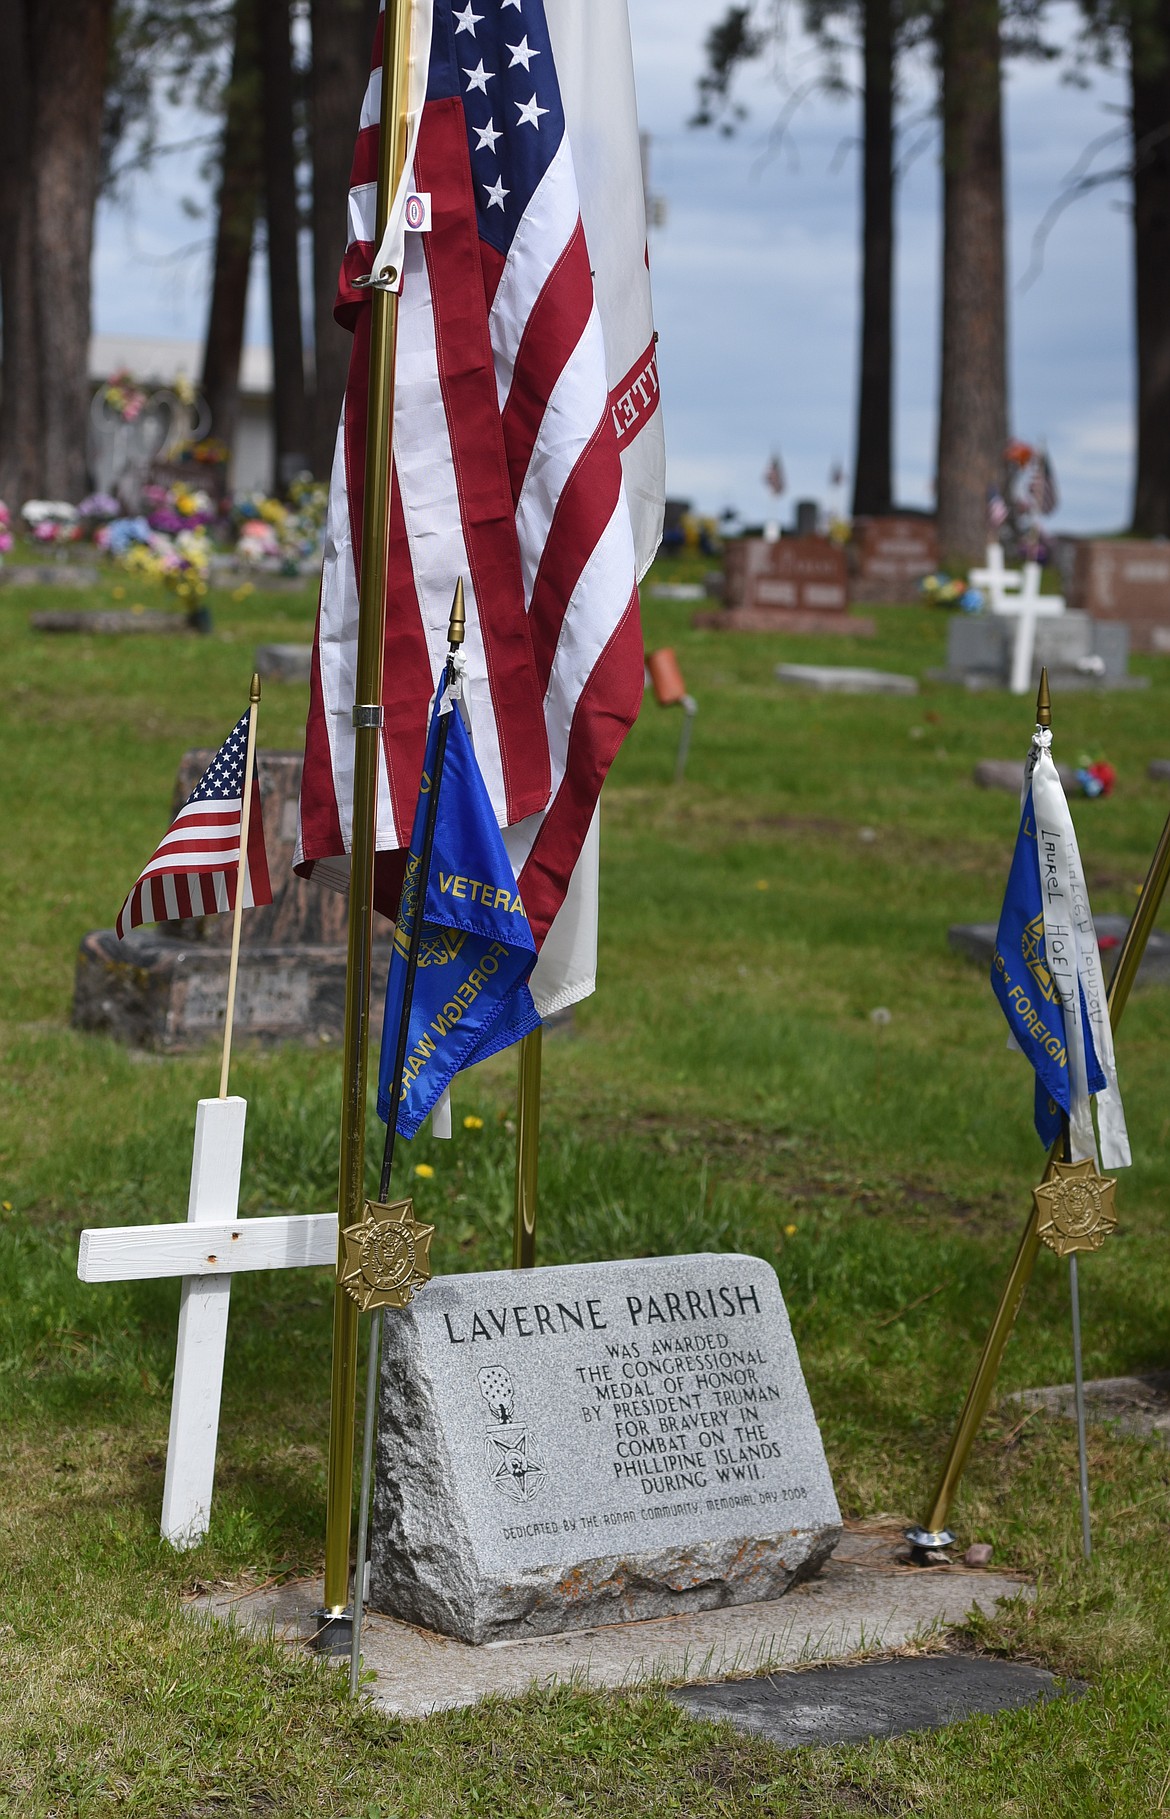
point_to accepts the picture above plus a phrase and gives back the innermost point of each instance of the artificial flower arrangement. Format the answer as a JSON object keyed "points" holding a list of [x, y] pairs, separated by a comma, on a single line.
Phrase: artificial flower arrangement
{"points": [[950, 591], [176, 508], [52, 520], [271, 534], [5, 529], [1095, 776], [124, 396]]}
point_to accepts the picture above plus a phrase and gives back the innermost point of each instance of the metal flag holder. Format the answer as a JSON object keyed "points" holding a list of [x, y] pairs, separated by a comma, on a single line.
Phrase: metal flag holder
{"points": [[1072, 1210], [388, 1248], [334, 1620]]}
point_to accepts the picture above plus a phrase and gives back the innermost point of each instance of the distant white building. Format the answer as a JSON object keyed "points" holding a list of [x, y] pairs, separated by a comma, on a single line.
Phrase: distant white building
{"points": [[160, 360]]}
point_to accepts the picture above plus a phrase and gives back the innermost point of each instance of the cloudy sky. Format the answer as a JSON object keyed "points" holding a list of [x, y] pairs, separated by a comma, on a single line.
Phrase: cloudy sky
{"points": [[756, 277]]}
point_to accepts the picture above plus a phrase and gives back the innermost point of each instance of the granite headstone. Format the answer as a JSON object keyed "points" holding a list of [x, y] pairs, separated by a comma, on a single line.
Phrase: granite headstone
{"points": [[888, 558], [1078, 652], [1124, 581], [593, 1443], [785, 584]]}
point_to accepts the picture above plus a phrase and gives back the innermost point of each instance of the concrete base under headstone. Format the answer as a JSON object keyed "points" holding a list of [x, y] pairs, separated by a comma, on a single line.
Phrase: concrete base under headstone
{"points": [[593, 1443], [864, 1601], [977, 940], [776, 619]]}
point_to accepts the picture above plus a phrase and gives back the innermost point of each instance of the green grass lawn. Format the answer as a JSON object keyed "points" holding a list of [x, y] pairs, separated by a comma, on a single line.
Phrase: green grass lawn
{"points": [[726, 1087]]}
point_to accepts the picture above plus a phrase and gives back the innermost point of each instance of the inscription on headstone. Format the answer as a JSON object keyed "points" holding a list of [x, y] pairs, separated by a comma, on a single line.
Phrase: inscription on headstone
{"points": [[888, 558], [591, 1443]]}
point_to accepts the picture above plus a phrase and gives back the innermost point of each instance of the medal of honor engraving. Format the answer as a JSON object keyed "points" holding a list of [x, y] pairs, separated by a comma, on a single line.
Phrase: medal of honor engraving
{"points": [[387, 1255], [1075, 1207]]}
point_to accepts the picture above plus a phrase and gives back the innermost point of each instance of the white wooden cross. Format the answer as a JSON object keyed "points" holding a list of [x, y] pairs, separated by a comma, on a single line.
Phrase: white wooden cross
{"points": [[1029, 606], [995, 581], [206, 1252]]}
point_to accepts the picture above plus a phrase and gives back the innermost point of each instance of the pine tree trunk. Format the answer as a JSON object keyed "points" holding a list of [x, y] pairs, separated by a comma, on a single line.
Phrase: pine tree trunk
{"points": [[290, 413], [71, 46], [873, 478], [343, 32], [1150, 90], [237, 204], [55, 54], [21, 441], [972, 427]]}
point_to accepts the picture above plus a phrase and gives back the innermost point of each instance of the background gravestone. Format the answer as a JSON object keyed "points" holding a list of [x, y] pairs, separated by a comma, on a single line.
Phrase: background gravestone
{"points": [[791, 584], [888, 558], [593, 1443], [1078, 651], [165, 985], [1125, 582]]}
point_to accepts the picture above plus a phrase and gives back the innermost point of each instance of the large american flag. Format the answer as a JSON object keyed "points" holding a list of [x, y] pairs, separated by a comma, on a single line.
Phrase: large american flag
{"points": [[193, 871], [509, 441]]}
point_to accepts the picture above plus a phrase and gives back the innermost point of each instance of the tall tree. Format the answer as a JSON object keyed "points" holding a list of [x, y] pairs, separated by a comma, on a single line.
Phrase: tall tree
{"points": [[290, 409], [55, 55], [1149, 47], [886, 27], [972, 412], [343, 32], [873, 476], [237, 203], [1140, 31]]}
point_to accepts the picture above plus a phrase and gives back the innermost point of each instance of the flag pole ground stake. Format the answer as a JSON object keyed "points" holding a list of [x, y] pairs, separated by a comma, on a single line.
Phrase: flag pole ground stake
{"points": [[933, 1533], [241, 872], [334, 1624], [527, 1151], [1079, 1380]]}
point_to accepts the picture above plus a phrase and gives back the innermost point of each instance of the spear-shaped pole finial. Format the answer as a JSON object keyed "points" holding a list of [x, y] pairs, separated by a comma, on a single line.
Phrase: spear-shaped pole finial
{"points": [[1043, 701], [458, 624]]}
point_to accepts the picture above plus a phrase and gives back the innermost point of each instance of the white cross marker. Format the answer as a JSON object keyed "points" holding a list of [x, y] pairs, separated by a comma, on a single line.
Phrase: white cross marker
{"points": [[995, 580], [206, 1252], [1030, 606]]}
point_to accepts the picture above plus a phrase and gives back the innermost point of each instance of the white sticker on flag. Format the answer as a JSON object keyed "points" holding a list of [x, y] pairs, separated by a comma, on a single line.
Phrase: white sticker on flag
{"points": [[418, 213]]}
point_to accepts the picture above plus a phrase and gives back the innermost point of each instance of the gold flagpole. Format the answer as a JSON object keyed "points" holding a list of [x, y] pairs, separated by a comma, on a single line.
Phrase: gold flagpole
{"points": [[933, 1532], [241, 873], [367, 720], [527, 1151]]}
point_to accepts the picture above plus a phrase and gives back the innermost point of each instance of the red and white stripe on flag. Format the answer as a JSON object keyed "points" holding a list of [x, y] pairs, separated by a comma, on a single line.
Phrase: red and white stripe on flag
{"points": [[193, 870], [527, 441]]}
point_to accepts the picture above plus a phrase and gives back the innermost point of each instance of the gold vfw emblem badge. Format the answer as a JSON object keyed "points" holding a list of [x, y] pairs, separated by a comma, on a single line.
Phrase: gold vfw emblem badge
{"points": [[1075, 1206], [1032, 954], [387, 1255]]}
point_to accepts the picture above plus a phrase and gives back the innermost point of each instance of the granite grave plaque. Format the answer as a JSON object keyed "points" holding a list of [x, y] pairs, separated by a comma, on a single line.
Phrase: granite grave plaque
{"points": [[1126, 581], [593, 1443], [786, 584], [888, 558]]}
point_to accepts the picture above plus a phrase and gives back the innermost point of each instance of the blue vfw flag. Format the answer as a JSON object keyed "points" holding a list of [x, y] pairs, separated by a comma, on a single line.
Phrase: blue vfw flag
{"points": [[1027, 992], [476, 950]]}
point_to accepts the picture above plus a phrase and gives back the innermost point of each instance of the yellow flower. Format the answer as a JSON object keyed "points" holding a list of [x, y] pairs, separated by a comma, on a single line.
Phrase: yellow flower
{"points": [[119, 593], [423, 1170], [8, 1206], [472, 1123], [790, 1231], [243, 591], [761, 884]]}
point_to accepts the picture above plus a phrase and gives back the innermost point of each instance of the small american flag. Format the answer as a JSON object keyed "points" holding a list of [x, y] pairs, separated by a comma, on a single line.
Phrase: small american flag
{"points": [[774, 476], [193, 871], [1042, 490]]}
